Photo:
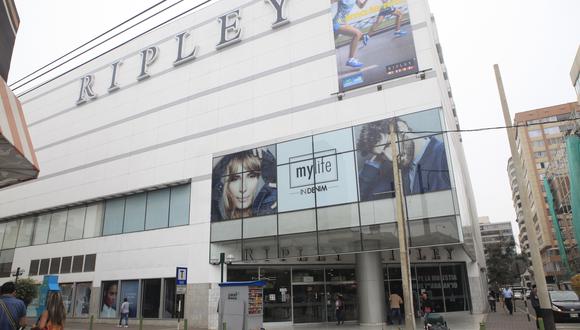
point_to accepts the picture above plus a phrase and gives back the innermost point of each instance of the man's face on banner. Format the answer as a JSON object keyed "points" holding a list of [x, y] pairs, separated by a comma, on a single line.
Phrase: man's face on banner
{"points": [[407, 151]]}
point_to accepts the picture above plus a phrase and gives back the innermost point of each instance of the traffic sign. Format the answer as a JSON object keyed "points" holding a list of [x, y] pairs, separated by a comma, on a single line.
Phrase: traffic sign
{"points": [[181, 276]]}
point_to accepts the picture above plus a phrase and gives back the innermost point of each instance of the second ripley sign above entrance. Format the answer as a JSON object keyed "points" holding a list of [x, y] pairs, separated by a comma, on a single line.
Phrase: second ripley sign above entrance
{"points": [[373, 42]]}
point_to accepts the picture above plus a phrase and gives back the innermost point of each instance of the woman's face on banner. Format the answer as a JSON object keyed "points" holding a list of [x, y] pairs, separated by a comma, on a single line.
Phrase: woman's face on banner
{"points": [[111, 296], [242, 187]]}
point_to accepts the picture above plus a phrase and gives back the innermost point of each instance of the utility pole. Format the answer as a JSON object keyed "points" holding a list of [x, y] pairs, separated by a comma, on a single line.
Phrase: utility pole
{"points": [[402, 230], [539, 275], [19, 271]]}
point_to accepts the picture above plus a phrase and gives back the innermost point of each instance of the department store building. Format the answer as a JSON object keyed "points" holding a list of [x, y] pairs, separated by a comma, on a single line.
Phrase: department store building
{"points": [[245, 128]]}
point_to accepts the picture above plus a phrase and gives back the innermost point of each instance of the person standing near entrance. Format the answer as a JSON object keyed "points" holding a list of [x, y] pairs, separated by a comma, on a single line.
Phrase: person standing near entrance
{"points": [[339, 304], [124, 313], [508, 296], [395, 302], [535, 300], [12, 309]]}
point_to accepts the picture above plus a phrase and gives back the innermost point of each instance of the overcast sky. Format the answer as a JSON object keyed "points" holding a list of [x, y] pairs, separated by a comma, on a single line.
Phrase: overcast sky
{"points": [[533, 41]]}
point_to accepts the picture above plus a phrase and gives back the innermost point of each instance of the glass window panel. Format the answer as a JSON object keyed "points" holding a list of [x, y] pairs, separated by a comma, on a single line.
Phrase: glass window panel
{"points": [[65, 265], [82, 300], [295, 186], [376, 212], [135, 213], [75, 223], [338, 141], [130, 290], [44, 265], [277, 303], [151, 298], [25, 232], [430, 205], [454, 288], [109, 299], [296, 222], [33, 269], [157, 209], [336, 179], [341, 216], [114, 212], [298, 245], [226, 230], [57, 227], [307, 275], [429, 279], [169, 310], [94, 220], [77, 266], [339, 241], [6, 258], [263, 248], [54, 265], [90, 261], [260, 226], [66, 291], [10, 235], [292, 151], [2, 230], [338, 274], [433, 231], [242, 274], [179, 205], [380, 237], [232, 250]]}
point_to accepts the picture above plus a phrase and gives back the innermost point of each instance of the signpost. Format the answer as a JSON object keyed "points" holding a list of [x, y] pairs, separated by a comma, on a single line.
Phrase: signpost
{"points": [[180, 291]]}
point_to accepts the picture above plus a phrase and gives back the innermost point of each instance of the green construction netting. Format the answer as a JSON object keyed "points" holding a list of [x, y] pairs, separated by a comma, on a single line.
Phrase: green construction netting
{"points": [[573, 152], [556, 225]]}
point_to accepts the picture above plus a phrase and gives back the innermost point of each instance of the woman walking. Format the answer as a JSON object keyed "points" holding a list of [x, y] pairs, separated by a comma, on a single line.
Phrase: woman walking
{"points": [[54, 316]]}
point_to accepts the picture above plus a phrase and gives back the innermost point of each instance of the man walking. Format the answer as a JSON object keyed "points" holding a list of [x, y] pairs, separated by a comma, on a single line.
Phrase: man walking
{"points": [[124, 313], [395, 302], [508, 296], [12, 309]]}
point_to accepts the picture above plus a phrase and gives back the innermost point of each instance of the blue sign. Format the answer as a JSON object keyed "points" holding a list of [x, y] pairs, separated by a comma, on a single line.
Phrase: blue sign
{"points": [[181, 276]]}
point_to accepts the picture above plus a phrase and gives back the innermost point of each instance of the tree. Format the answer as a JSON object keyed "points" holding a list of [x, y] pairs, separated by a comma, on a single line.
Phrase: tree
{"points": [[503, 265], [27, 290]]}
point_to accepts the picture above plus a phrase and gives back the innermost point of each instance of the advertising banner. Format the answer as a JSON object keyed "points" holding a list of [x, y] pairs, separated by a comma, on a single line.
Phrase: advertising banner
{"points": [[344, 166], [373, 41], [129, 290], [109, 299], [83, 299]]}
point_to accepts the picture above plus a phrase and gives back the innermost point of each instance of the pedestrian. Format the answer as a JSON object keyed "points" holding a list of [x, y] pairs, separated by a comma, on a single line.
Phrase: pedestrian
{"points": [[54, 315], [491, 298], [12, 309], [426, 304], [508, 298], [339, 304], [124, 313], [395, 302], [535, 300]]}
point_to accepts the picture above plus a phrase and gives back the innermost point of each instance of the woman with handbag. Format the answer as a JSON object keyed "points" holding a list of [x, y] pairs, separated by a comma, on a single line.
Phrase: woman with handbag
{"points": [[54, 316]]}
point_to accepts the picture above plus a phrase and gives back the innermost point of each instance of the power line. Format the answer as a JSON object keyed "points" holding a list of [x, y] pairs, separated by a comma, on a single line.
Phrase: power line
{"points": [[81, 46], [123, 43]]}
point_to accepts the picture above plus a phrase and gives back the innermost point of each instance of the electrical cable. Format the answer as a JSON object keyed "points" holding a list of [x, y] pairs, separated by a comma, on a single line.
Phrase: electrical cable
{"points": [[131, 39], [86, 43]]}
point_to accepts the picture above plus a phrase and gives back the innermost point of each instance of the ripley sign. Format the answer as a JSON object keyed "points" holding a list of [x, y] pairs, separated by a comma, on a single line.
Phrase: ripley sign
{"points": [[230, 33]]}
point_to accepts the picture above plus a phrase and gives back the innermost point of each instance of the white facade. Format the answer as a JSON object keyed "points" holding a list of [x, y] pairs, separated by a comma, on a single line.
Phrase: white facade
{"points": [[275, 85]]}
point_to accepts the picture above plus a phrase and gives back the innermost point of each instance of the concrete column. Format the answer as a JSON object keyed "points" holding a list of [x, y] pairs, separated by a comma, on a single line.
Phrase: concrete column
{"points": [[371, 288]]}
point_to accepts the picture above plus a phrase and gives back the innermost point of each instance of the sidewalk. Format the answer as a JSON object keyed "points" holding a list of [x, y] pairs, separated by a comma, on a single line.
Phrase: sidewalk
{"points": [[502, 320]]}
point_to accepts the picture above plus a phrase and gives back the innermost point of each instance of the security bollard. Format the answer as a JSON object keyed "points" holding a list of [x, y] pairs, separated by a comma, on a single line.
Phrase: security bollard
{"points": [[184, 324], [141, 323], [541, 323], [91, 322], [224, 326], [481, 325]]}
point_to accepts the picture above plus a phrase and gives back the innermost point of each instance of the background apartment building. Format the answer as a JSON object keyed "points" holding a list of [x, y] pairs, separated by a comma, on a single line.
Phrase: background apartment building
{"points": [[541, 145], [495, 233]]}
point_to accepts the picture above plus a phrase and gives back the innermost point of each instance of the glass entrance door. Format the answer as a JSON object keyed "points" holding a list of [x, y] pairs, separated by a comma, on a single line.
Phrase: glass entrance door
{"points": [[308, 295]]}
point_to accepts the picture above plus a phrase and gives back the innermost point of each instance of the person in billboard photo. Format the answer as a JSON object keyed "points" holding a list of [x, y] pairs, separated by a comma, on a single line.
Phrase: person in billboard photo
{"points": [[423, 161], [340, 26], [386, 11], [109, 307], [244, 185]]}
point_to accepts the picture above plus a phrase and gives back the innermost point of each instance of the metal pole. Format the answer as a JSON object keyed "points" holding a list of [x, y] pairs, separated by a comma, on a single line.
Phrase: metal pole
{"points": [[402, 231], [539, 275], [222, 262]]}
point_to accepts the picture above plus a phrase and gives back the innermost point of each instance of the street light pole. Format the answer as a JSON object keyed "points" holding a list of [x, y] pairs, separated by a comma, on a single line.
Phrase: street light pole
{"points": [[19, 271], [402, 231], [539, 275]]}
